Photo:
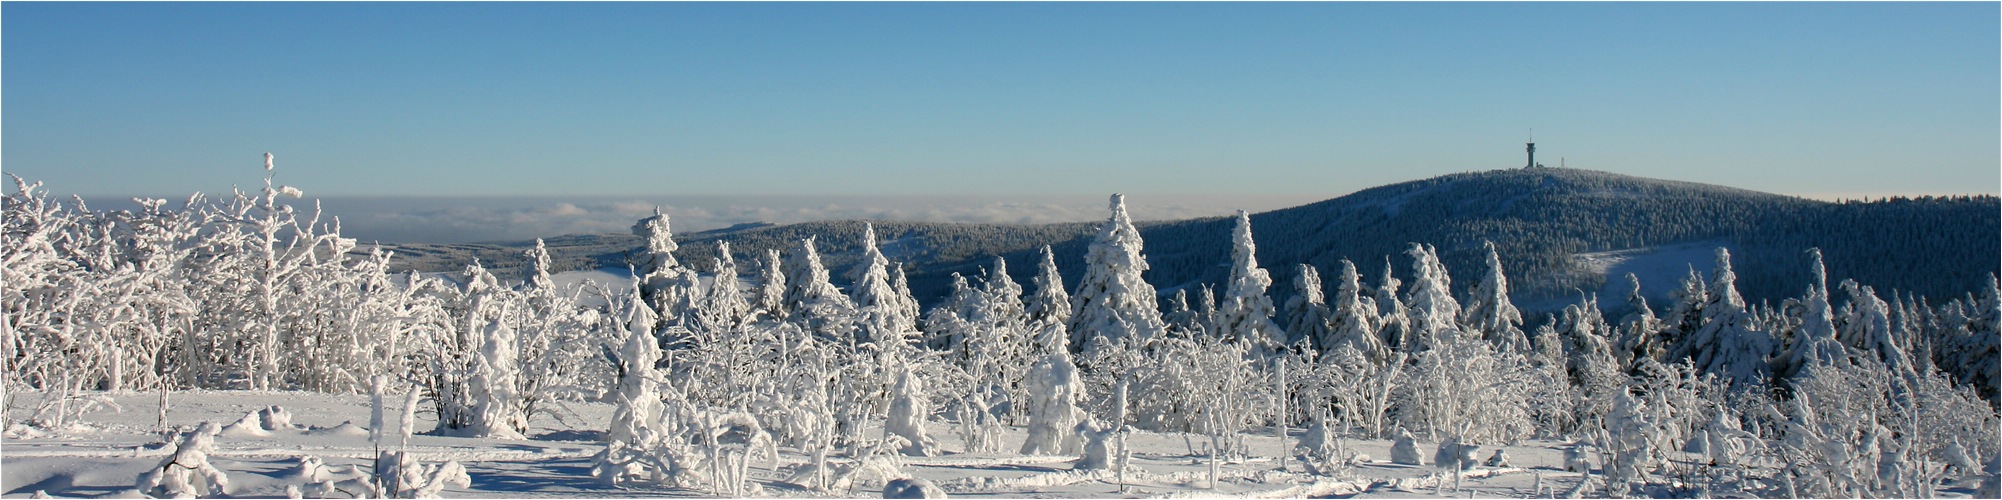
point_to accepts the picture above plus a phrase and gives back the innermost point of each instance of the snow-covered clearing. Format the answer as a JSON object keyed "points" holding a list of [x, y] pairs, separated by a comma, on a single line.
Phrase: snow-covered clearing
{"points": [[103, 459]]}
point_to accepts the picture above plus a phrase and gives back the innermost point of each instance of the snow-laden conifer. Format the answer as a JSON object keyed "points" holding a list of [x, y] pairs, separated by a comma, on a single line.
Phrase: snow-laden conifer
{"points": [[1638, 331], [1308, 317], [1393, 318], [1051, 304], [1815, 340], [492, 386], [908, 407], [538, 267], [1434, 313], [1245, 314], [878, 308], [1729, 343], [664, 284], [634, 431], [1593, 371], [1054, 389], [1354, 318], [907, 305], [1490, 312], [723, 306], [1868, 329], [1112, 301], [813, 301], [771, 287]]}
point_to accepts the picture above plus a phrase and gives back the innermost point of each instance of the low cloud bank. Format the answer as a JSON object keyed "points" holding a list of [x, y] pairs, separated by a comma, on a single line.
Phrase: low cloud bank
{"points": [[481, 219]]}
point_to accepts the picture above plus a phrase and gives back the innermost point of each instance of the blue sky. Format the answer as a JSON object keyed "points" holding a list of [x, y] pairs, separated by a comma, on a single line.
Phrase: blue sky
{"points": [[1239, 99]]}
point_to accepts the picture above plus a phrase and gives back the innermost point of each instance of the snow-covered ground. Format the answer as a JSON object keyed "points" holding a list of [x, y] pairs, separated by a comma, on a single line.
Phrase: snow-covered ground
{"points": [[555, 462]]}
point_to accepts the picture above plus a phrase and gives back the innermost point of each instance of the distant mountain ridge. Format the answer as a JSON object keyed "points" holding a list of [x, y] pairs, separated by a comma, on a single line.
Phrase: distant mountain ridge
{"points": [[1544, 222]]}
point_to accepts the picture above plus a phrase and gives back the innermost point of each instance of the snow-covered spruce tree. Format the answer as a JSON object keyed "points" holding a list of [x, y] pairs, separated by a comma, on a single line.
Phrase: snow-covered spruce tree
{"points": [[1051, 305], [953, 324], [1180, 319], [981, 333], [1054, 389], [1489, 311], [723, 308], [664, 284], [908, 409], [1867, 330], [1594, 374], [1638, 331], [1014, 351], [495, 411], [1553, 403], [1729, 343], [1354, 318], [907, 305], [878, 309], [538, 270], [1112, 301], [1307, 313], [1393, 318], [634, 434], [771, 287], [1977, 358], [1814, 341], [1684, 317], [1434, 313], [1630, 445], [1245, 315], [812, 300], [1205, 311]]}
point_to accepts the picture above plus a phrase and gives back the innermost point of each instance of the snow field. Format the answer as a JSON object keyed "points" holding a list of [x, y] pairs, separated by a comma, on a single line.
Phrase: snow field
{"points": [[116, 447]]}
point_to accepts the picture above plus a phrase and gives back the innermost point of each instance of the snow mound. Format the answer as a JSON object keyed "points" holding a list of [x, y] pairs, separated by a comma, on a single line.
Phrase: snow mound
{"points": [[912, 487], [346, 429]]}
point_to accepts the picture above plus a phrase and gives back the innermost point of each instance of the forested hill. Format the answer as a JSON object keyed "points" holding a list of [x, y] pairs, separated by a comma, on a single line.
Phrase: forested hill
{"points": [[1544, 222]]}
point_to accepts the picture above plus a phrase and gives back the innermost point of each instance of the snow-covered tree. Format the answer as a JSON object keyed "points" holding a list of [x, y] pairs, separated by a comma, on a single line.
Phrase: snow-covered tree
{"points": [[635, 429], [1490, 312], [1051, 305], [1593, 371], [1867, 329], [1434, 313], [665, 285], [1463, 387], [1637, 336], [1308, 317], [955, 325], [492, 385], [1245, 314], [187, 473], [812, 300], [908, 409], [1054, 389], [1113, 302], [878, 308], [771, 287], [1354, 318], [1393, 318], [1814, 341], [1684, 318], [538, 267], [1729, 342]]}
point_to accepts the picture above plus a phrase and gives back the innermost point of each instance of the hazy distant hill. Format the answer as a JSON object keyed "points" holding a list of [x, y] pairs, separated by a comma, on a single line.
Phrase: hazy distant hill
{"points": [[1559, 232]]}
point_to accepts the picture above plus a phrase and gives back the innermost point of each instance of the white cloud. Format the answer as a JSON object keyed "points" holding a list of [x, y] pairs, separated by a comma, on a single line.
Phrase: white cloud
{"points": [[463, 219]]}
